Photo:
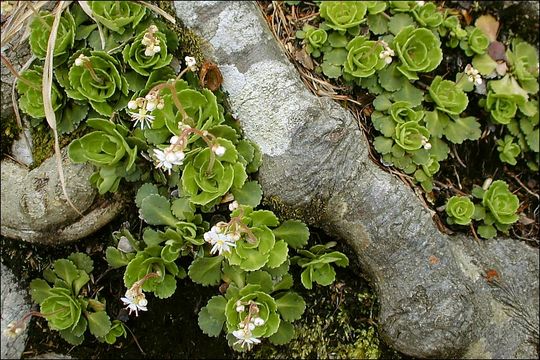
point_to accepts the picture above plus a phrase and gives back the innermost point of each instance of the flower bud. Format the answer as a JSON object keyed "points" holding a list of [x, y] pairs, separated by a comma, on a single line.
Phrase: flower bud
{"points": [[132, 104], [219, 150]]}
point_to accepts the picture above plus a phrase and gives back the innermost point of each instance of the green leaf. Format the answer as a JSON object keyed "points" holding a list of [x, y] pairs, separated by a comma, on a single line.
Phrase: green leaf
{"points": [[216, 307], [68, 335], [305, 278], [151, 237], [398, 22], [383, 145], [166, 288], [250, 194], [156, 210], [291, 306], [261, 278], [382, 103], [294, 232], [378, 24], [82, 261], [209, 325], [66, 270], [278, 254], [263, 217], [436, 122], [183, 209], [461, 129], [337, 40], [410, 94], [206, 270], [331, 70], [285, 284], [385, 124], [390, 78], [284, 334], [116, 258], [144, 191], [39, 290], [484, 64], [98, 323], [487, 231]]}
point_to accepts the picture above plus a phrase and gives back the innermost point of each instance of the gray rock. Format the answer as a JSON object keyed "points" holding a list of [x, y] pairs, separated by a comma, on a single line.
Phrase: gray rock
{"points": [[52, 355], [14, 307], [34, 209], [435, 298]]}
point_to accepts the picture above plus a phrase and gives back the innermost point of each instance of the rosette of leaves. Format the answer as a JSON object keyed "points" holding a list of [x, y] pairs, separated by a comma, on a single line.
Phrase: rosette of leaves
{"points": [[363, 58], [425, 174], [343, 16], [314, 38], [269, 245], [427, 15], [460, 210], [502, 204], [402, 6], [107, 149], [117, 15], [317, 264], [200, 106], [502, 107], [419, 50], [375, 7], [498, 209], [508, 150], [63, 303], [523, 60], [526, 132], [100, 82], [40, 30], [207, 178], [451, 27], [29, 86], [134, 54], [447, 96], [411, 135], [476, 42], [277, 306]]}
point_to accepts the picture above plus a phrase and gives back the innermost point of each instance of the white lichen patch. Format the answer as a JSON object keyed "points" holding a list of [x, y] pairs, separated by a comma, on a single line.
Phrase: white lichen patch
{"points": [[271, 99]]}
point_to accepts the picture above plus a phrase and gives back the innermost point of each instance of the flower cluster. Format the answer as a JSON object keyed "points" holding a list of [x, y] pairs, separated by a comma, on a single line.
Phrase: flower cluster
{"points": [[172, 155], [191, 63], [221, 240], [251, 321], [473, 74], [14, 329], [387, 53], [145, 105], [135, 298], [151, 42]]}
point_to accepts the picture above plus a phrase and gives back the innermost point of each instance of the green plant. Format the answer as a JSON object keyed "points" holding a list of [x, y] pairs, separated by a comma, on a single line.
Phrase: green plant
{"points": [[343, 15], [31, 98], [40, 30], [316, 263], [66, 305], [117, 15], [313, 38], [460, 210], [147, 52]]}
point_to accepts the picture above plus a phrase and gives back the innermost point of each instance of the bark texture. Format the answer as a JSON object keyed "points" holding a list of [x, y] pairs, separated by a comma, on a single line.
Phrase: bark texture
{"points": [[435, 299]]}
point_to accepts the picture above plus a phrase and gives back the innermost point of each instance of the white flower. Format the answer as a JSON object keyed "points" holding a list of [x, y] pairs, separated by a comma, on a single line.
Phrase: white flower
{"points": [[222, 243], [240, 308], [219, 150], [124, 245], [421, 3], [132, 105], [168, 158], [152, 50], [245, 338], [14, 329], [151, 105], [233, 206], [258, 321], [174, 140], [191, 63], [425, 143], [473, 74], [81, 59], [135, 301], [142, 117]]}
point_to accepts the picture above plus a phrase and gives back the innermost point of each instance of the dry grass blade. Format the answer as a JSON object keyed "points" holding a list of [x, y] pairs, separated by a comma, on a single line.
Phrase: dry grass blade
{"points": [[159, 11], [47, 101], [18, 19], [86, 8]]}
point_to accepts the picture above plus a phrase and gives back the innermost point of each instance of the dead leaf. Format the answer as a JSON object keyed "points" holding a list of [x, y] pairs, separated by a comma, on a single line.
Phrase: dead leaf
{"points": [[468, 18], [303, 58], [501, 68], [497, 51], [209, 76], [489, 25], [525, 220]]}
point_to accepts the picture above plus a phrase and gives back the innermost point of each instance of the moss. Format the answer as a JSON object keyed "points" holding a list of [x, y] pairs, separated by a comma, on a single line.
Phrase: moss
{"points": [[9, 132], [338, 323], [189, 44], [43, 141], [312, 214]]}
